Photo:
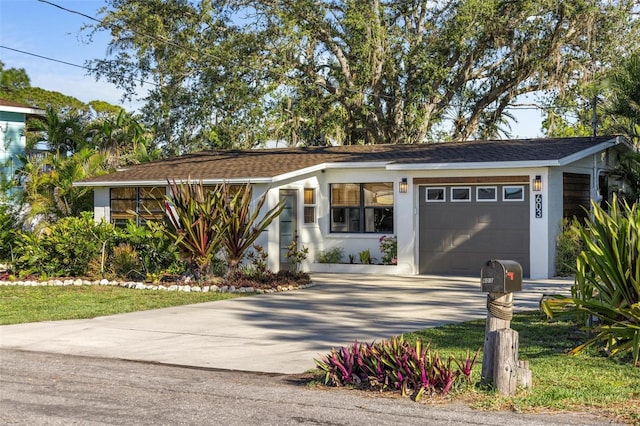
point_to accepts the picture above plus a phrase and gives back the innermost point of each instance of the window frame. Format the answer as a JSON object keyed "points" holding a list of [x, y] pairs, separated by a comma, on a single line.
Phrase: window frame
{"points": [[312, 207], [513, 200], [363, 210], [487, 200], [457, 200], [439, 188], [139, 214]]}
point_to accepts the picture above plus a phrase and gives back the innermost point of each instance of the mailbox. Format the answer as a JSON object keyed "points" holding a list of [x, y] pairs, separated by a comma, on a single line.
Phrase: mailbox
{"points": [[501, 276]]}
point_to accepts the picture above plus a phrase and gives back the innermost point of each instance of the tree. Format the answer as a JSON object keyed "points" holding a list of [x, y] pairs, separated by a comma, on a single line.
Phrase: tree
{"points": [[13, 78], [47, 181], [203, 91], [63, 134], [624, 104], [354, 71]]}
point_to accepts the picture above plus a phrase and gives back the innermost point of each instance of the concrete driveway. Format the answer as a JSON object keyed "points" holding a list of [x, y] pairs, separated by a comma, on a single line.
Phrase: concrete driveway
{"points": [[273, 333]]}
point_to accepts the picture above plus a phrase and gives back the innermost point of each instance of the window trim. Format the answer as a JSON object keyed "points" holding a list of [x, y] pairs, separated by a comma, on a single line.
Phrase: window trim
{"points": [[441, 188], [139, 216], [514, 200], [362, 209], [313, 206], [487, 200], [456, 200]]}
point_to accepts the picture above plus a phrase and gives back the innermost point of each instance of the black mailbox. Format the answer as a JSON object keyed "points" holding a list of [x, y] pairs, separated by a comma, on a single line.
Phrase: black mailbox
{"points": [[501, 276]]}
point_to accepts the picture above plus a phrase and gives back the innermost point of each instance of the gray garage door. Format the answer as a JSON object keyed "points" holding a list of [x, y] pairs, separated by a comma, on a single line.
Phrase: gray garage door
{"points": [[461, 227]]}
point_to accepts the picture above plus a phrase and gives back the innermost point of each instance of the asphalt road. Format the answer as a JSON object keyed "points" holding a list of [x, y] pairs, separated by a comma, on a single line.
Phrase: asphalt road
{"points": [[53, 389]]}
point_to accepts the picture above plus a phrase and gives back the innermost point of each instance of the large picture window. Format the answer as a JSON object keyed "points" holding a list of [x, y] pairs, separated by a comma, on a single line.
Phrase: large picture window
{"points": [[140, 204], [362, 207]]}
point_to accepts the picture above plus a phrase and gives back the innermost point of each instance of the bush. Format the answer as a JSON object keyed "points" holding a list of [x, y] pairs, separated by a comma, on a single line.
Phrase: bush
{"points": [[607, 283], [568, 247], [395, 364], [155, 249], [8, 231], [124, 262], [389, 250], [333, 255], [365, 257], [64, 248]]}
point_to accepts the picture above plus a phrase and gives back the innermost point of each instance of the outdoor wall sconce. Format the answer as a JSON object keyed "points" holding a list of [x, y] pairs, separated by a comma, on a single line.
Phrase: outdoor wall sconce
{"points": [[537, 183], [404, 185]]}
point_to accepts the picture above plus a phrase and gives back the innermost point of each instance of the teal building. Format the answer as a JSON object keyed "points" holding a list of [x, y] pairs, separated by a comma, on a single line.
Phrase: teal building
{"points": [[13, 117]]}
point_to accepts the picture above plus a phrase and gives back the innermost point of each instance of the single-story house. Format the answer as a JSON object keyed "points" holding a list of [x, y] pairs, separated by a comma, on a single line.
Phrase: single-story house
{"points": [[451, 206]]}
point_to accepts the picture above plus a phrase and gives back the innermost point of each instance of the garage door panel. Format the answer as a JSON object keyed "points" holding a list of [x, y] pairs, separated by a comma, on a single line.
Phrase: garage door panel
{"points": [[457, 238]]}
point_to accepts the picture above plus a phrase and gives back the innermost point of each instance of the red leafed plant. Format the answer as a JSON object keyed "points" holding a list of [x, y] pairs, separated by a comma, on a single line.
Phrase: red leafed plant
{"points": [[412, 368]]}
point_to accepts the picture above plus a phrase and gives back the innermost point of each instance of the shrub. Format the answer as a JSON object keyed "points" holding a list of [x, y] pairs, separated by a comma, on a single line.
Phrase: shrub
{"points": [[64, 248], [257, 266], [607, 282], [124, 262], [240, 223], [365, 257], [333, 255], [8, 231], [156, 251], [389, 249], [568, 247], [395, 364], [296, 255], [194, 213]]}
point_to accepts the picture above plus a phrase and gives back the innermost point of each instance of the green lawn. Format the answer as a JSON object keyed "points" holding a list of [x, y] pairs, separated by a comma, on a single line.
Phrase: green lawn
{"points": [[20, 304], [585, 382]]}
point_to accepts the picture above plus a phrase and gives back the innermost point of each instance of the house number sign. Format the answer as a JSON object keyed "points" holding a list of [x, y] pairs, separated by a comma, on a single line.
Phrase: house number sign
{"points": [[538, 206]]}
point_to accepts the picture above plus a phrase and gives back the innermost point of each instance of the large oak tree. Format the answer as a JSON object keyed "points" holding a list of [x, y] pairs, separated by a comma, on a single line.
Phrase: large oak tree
{"points": [[236, 72]]}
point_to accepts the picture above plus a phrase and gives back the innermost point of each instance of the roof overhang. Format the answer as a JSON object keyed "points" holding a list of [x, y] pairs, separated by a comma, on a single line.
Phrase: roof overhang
{"points": [[248, 179], [510, 164], [385, 165], [22, 110]]}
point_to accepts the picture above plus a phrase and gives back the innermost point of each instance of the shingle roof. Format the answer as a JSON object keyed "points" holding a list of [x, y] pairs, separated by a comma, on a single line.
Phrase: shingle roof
{"points": [[268, 163], [4, 102]]}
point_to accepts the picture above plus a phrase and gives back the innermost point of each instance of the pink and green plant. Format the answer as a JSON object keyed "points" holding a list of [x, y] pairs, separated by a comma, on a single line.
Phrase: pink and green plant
{"points": [[396, 364]]}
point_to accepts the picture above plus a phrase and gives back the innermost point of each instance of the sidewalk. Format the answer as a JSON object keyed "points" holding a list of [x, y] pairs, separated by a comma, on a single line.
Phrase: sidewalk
{"points": [[273, 333]]}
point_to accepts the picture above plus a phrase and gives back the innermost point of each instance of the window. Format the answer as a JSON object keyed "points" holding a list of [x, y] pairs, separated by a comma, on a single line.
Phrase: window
{"points": [[460, 194], [362, 207], [309, 205], [486, 193], [140, 204], [513, 193], [435, 195]]}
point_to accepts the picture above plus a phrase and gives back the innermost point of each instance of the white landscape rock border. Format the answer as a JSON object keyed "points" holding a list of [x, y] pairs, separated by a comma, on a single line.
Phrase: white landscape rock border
{"points": [[137, 285]]}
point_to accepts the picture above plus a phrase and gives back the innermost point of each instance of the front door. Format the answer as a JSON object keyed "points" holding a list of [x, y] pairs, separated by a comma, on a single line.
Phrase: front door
{"points": [[288, 226]]}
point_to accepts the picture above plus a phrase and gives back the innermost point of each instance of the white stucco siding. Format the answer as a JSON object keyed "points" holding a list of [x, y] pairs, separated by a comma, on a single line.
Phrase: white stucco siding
{"points": [[556, 205], [354, 243]]}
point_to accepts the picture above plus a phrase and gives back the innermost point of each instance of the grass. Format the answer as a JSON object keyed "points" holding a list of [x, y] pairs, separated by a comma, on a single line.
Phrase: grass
{"points": [[20, 304], [586, 382]]}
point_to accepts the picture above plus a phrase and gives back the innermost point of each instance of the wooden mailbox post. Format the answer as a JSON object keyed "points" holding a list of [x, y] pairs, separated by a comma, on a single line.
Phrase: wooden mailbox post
{"points": [[500, 364]]}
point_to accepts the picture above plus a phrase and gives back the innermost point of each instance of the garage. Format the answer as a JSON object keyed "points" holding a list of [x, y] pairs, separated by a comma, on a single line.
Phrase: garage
{"points": [[464, 224]]}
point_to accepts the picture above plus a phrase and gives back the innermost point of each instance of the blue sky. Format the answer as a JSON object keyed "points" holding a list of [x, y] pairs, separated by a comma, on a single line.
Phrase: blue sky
{"points": [[40, 28]]}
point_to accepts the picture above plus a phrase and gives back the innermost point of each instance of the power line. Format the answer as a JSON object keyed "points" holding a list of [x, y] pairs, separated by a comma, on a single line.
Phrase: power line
{"points": [[46, 58]]}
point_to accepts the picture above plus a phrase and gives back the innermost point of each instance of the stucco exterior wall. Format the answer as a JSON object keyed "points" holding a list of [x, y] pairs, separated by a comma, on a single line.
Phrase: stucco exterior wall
{"points": [[12, 141]]}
